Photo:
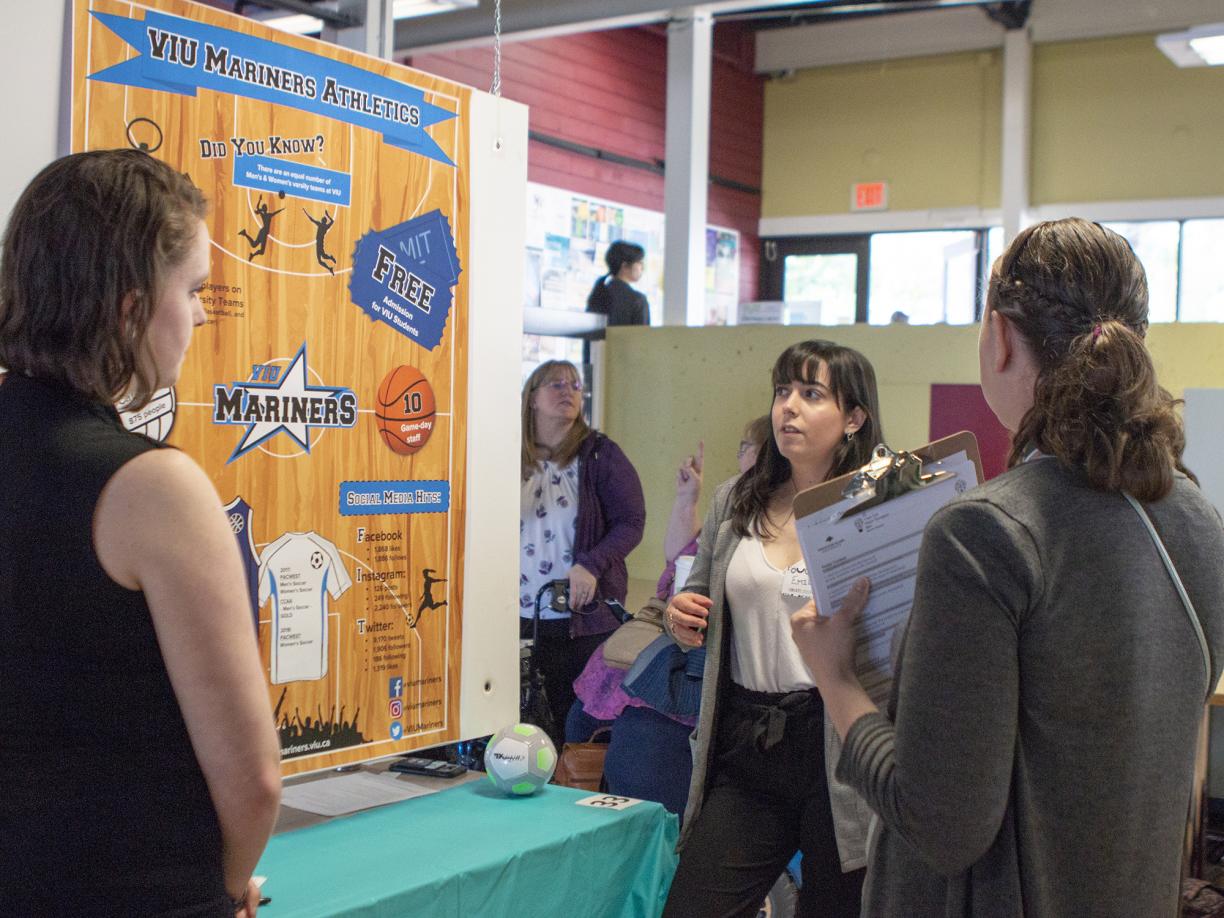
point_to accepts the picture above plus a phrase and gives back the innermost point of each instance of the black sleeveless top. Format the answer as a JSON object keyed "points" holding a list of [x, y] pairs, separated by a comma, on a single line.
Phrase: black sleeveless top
{"points": [[103, 807]]}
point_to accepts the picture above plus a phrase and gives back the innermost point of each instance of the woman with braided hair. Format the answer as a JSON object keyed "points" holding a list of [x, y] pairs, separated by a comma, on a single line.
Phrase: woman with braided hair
{"points": [[1068, 624]]}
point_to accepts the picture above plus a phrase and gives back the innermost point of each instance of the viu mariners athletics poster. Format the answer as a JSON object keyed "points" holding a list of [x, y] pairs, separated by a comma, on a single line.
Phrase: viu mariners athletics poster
{"points": [[326, 395]]}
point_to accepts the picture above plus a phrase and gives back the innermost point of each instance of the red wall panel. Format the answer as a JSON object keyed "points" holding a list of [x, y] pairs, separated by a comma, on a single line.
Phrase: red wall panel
{"points": [[608, 90], [963, 407]]}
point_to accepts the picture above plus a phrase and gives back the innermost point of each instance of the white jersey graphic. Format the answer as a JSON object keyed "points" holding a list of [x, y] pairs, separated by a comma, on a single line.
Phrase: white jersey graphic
{"points": [[297, 572]]}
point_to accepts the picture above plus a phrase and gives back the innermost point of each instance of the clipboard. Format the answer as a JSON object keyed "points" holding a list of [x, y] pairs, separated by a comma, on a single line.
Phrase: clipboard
{"points": [[870, 523], [813, 500]]}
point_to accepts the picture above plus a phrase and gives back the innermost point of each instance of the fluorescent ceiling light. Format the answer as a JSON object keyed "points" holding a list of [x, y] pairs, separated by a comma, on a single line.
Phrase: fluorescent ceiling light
{"points": [[1210, 49], [406, 9], [1199, 47], [300, 24]]}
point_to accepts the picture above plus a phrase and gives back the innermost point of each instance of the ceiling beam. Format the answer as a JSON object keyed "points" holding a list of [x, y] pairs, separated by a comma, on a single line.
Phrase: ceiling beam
{"points": [[533, 19]]}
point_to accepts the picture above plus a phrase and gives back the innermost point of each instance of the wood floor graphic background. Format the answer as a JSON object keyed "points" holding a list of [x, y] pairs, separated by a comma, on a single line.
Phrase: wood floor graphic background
{"points": [[400, 616]]}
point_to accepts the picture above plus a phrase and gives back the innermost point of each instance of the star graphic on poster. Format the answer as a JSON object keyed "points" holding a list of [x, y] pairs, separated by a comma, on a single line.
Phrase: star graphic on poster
{"points": [[291, 405]]}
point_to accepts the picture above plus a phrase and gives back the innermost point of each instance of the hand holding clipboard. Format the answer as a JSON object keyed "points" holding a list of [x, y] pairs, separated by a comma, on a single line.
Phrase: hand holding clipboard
{"points": [[869, 524]]}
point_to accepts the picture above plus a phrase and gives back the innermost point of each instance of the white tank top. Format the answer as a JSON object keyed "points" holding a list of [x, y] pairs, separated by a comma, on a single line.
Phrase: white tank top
{"points": [[764, 657]]}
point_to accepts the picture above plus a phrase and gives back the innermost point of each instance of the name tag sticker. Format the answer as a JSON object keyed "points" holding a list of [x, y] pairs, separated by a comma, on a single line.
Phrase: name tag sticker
{"points": [[795, 582], [608, 802]]}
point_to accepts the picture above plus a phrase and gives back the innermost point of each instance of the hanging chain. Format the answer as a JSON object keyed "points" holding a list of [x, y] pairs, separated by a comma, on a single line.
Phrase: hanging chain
{"points": [[496, 90]]}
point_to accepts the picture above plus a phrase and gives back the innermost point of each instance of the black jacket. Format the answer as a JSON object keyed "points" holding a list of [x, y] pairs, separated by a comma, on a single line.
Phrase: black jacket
{"points": [[618, 301]]}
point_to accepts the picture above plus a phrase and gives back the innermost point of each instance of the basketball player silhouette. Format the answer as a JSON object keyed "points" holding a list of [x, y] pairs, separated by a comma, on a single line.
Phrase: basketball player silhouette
{"points": [[321, 228], [260, 243]]}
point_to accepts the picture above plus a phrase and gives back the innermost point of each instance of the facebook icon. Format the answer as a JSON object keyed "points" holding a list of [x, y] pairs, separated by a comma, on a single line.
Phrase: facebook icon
{"points": [[396, 687]]}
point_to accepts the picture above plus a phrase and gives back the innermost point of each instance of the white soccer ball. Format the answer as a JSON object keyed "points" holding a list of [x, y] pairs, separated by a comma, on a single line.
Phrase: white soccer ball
{"points": [[520, 759]]}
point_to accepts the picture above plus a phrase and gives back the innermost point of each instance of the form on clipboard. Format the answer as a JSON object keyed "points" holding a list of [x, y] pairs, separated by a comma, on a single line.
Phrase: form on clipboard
{"points": [[869, 523]]}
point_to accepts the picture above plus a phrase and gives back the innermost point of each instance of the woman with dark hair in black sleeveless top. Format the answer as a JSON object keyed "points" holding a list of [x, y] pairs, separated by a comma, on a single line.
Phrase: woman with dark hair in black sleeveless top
{"points": [[138, 758]]}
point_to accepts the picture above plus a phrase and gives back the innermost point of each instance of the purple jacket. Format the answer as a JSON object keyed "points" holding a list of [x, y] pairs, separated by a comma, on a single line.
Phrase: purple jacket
{"points": [[611, 518]]}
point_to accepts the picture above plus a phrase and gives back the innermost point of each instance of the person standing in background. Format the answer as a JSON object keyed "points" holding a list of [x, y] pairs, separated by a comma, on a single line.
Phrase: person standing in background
{"points": [[612, 296], [648, 751], [581, 511]]}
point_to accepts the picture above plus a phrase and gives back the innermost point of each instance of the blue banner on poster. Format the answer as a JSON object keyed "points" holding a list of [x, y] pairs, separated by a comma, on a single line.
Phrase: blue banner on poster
{"points": [[403, 277], [302, 180], [371, 498], [180, 56]]}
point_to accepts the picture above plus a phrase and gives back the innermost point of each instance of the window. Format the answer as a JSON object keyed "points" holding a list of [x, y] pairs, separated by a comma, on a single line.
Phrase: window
{"points": [[1156, 245], [923, 278], [994, 248], [941, 275], [1202, 274], [820, 289]]}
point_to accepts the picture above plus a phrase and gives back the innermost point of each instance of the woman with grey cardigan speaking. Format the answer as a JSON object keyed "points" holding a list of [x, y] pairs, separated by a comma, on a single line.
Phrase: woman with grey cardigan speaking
{"points": [[1068, 624], [760, 789]]}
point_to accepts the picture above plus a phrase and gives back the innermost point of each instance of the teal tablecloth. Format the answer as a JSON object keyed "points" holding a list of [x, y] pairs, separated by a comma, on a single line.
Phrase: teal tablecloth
{"points": [[469, 851]]}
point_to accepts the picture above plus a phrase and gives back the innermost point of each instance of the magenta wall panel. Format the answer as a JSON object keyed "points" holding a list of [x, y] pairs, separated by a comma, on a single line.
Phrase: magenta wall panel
{"points": [[963, 407]]}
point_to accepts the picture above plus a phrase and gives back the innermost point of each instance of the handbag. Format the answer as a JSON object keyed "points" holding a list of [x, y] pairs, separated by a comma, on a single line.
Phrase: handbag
{"points": [[581, 765], [622, 648], [667, 678]]}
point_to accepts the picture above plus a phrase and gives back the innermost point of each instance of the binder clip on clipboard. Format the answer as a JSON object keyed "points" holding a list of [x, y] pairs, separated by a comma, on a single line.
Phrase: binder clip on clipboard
{"points": [[886, 476]]}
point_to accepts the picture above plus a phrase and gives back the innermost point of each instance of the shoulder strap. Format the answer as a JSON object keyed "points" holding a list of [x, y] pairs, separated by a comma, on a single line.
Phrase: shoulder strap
{"points": [[1181, 589]]}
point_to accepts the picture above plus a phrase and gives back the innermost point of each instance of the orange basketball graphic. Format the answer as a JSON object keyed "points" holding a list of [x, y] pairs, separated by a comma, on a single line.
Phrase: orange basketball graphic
{"points": [[405, 410]]}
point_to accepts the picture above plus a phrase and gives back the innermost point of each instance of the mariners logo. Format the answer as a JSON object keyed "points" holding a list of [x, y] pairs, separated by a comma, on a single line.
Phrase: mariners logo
{"points": [[283, 402]]}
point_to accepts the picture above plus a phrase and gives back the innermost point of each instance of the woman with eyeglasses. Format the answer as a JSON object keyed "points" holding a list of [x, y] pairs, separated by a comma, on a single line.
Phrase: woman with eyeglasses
{"points": [[763, 748], [1038, 751], [581, 512]]}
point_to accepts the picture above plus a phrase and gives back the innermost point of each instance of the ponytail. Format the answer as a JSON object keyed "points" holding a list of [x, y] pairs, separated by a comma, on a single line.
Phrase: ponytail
{"points": [[1079, 297], [1102, 411]]}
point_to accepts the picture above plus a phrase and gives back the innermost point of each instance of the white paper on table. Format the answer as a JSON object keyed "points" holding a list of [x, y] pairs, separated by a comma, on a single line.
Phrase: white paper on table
{"points": [[880, 543], [335, 796]]}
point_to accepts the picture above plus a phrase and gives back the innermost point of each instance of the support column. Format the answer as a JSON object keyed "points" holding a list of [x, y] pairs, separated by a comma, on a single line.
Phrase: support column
{"points": [[1017, 130], [686, 181], [376, 37]]}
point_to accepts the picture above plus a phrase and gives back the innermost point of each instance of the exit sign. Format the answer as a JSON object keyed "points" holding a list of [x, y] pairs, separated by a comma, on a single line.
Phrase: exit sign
{"points": [[869, 196]]}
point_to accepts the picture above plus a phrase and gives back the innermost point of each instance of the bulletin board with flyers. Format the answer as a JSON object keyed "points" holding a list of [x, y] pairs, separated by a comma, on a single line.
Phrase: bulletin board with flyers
{"points": [[568, 234], [326, 396]]}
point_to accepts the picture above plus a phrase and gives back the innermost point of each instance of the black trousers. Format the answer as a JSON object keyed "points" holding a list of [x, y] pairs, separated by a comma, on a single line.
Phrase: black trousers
{"points": [[560, 659], [769, 798]]}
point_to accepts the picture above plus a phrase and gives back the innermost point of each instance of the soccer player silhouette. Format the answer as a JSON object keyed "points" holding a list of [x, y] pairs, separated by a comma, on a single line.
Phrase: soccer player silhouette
{"points": [[427, 600]]}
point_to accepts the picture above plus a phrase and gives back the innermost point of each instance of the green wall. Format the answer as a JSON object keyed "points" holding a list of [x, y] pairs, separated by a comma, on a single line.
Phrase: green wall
{"points": [[930, 127], [666, 388], [1112, 119]]}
